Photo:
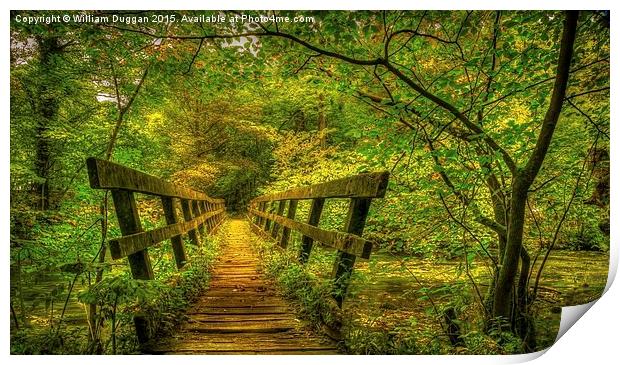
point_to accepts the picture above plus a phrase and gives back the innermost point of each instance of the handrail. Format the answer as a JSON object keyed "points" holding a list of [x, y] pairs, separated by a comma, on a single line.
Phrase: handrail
{"points": [[366, 185], [201, 214], [109, 175], [268, 217]]}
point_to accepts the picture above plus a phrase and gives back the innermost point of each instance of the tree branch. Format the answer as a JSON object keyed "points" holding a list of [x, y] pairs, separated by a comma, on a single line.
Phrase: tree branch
{"points": [[189, 68], [557, 98]]}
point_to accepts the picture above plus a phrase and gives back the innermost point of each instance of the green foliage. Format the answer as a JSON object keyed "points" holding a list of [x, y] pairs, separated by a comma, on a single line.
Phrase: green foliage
{"points": [[586, 237], [46, 342]]}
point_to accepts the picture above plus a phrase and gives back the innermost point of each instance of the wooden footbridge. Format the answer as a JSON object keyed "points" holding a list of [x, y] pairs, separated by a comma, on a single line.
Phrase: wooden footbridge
{"points": [[242, 311]]}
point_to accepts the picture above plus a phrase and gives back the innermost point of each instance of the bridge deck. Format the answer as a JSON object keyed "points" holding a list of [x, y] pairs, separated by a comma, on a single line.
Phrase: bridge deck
{"points": [[241, 313]]}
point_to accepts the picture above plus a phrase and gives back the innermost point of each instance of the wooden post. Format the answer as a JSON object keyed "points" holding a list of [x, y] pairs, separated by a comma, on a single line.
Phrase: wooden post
{"points": [[129, 223], [259, 220], [255, 218], [205, 209], [267, 221], [286, 232], [276, 226], [356, 220], [177, 242], [139, 262], [197, 212], [313, 219], [188, 216], [211, 221]]}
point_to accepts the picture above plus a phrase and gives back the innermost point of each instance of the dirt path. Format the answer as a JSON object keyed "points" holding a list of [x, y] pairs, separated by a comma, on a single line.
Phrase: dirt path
{"points": [[241, 313]]}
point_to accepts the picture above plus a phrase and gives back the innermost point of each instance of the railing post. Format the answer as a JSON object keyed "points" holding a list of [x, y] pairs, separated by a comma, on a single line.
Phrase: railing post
{"points": [[286, 232], [205, 209], [262, 207], [254, 205], [177, 242], [313, 219], [267, 226], [356, 220], [129, 223], [188, 216], [276, 226], [196, 213], [208, 207], [139, 262]]}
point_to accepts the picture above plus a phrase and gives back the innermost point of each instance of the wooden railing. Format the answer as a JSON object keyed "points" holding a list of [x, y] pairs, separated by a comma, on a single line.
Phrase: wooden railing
{"points": [[201, 213], [268, 216]]}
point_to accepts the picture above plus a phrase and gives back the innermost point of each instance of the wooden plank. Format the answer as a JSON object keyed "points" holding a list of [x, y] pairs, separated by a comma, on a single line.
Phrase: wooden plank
{"points": [[225, 342], [274, 309], [240, 343], [178, 249], [346, 242], [108, 175], [367, 185], [243, 327], [313, 219], [286, 231], [127, 245], [343, 265]]}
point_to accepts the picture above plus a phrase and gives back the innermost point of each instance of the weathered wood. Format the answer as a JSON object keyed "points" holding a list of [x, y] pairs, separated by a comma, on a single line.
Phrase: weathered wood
{"points": [[139, 261], [286, 231], [242, 310], [108, 175], [367, 185], [188, 216], [178, 248], [210, 223], [268, 210], [313, 219], [276, 226], [343, 266], [346, 242], [129, 223], [197, 212], [129, 244], [123, 182], [260, 220]]}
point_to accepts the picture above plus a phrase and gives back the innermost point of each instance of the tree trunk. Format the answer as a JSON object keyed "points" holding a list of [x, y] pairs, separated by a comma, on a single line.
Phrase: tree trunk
{"points": [[503, 302], [46, 111]]}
